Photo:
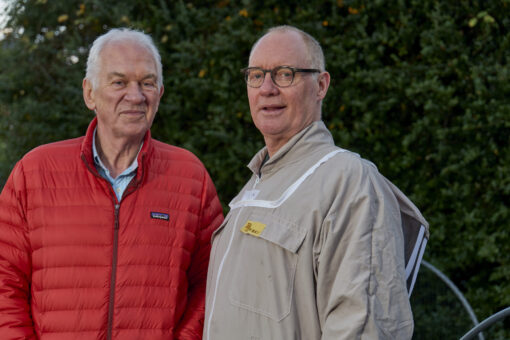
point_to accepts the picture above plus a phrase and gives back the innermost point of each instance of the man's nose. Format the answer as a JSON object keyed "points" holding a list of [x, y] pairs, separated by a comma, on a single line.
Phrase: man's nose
{"points": [[134, 93], [268, 87]]}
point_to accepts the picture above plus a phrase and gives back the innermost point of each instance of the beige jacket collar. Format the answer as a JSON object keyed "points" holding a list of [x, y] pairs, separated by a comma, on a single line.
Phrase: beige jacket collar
{"points": [[308, 140]]}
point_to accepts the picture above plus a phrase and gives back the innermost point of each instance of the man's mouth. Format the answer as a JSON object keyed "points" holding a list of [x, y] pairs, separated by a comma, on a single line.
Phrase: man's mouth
{"points": [[273, 108], [133, 112]]}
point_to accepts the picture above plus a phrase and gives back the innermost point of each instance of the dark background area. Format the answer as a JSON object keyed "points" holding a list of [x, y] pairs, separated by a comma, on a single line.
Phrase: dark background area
{"points": [[421, 88]]}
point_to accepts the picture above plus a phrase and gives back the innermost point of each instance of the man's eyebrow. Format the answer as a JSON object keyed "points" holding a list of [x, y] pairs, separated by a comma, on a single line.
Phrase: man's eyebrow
{"points": [[115, 74], [150, 75], [122, 75]]}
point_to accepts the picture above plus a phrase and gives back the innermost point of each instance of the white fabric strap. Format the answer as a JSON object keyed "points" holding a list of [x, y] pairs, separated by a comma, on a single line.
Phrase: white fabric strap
{"points": [[414, 254], [417, 269], [207, 330], [290, 190]]}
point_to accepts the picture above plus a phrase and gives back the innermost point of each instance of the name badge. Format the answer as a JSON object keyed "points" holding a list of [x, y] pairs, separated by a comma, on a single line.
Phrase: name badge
{"points": [[253, 228]]}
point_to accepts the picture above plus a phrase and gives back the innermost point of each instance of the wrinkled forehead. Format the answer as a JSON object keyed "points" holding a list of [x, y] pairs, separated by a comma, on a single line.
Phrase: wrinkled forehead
{"points": [[123, 46], [280, 48], [116, 53]]}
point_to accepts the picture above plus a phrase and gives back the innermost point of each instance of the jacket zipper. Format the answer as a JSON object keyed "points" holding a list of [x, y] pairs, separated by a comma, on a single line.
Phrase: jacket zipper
{"points": [[114, 273], [113, 277]]}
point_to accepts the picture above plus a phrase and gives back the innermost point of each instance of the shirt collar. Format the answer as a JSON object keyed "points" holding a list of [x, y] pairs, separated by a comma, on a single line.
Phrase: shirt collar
{"points": [[98, 162], [309, 140]]}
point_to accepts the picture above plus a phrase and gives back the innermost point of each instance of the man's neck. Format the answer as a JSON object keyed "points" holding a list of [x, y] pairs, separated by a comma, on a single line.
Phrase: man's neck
{"points": [[117, 155], [274, 144]]}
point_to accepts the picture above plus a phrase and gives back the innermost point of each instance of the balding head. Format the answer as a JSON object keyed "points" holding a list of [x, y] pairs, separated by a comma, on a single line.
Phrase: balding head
{"points": [[315, 56]]}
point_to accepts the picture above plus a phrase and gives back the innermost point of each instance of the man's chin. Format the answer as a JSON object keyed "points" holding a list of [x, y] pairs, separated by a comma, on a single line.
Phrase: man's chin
{"points": [[132, 131]]}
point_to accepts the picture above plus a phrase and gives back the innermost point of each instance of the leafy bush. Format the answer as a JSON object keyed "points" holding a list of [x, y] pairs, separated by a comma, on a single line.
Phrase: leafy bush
{"points": [[419, 87]]}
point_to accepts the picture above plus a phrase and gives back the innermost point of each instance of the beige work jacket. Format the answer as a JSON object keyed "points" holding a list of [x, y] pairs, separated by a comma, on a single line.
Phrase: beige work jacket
{"points": [[313, 248]]}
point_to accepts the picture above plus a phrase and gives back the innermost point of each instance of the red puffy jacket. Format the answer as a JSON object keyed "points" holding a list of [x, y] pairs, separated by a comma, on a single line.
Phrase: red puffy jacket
{"points": [[77, 264]]}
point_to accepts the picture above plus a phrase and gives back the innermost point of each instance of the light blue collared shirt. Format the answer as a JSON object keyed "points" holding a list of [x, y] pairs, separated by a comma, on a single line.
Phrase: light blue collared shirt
{"points": [[120, 183]]}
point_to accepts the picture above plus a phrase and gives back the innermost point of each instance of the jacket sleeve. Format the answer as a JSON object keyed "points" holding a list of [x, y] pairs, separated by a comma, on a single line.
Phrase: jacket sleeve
{"points": [[15, 264], [192, 323], [360, 270]]}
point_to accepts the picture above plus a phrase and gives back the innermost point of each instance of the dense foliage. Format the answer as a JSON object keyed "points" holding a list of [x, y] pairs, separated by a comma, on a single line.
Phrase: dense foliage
{"points": [[420, 87]]}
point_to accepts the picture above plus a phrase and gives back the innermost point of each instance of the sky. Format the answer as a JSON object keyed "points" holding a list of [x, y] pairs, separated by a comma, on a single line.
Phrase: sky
{"points": [[3, 6]]}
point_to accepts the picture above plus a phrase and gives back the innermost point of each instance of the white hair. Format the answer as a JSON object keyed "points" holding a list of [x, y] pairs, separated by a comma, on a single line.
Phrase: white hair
{"points": [[315, 54], [119, 35]]}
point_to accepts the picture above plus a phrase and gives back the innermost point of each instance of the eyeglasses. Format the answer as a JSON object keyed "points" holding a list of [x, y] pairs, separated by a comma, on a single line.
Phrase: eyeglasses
{"points": [[282, 76]]}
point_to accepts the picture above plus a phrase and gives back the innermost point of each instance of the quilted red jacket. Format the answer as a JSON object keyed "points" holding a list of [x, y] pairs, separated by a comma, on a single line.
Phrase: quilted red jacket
{"points": [[77, 264]]}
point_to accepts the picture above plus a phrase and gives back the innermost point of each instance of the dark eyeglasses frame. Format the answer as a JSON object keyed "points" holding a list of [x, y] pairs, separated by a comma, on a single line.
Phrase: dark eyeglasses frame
{"points": [[274, 71]]}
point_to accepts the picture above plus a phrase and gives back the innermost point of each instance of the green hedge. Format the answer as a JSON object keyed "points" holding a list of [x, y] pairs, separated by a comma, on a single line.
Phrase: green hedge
{"points": [[421, 88]]}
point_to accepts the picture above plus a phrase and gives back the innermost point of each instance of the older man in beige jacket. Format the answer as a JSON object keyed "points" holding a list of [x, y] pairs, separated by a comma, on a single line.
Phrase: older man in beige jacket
{"points": [[318, 244]]}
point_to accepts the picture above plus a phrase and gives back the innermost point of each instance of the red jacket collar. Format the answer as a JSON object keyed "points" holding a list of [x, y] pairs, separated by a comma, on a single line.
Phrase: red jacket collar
{"points": [[143, 155]]}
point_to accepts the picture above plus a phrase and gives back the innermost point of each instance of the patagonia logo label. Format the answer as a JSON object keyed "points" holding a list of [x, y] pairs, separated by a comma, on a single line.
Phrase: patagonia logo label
{"points": [[253, 228], [160, 216]]}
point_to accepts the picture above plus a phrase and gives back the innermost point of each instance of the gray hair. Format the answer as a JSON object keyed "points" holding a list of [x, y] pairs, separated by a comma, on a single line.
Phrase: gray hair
{"points": [[116, 35], [315, 54]]}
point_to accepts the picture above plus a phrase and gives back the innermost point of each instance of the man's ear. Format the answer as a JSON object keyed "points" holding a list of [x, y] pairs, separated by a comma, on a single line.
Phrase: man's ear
{"points": [[88, 94], [161, 91], [323, 81]]}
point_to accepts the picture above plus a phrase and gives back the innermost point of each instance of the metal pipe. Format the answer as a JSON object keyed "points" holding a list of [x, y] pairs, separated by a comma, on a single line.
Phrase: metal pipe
{"points": [[457, 293], [486, 323]]}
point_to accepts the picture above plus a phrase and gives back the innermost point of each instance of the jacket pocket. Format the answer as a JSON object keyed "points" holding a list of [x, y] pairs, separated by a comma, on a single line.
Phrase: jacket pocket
{"points": [[265, 267]]}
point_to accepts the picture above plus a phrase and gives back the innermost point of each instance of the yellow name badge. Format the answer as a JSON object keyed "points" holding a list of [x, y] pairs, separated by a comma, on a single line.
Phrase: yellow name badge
{"points": [[253, 228]]}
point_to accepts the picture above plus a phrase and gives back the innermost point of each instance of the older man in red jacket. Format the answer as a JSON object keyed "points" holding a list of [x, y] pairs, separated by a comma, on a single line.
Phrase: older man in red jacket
{"points": [[107, 236]]}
